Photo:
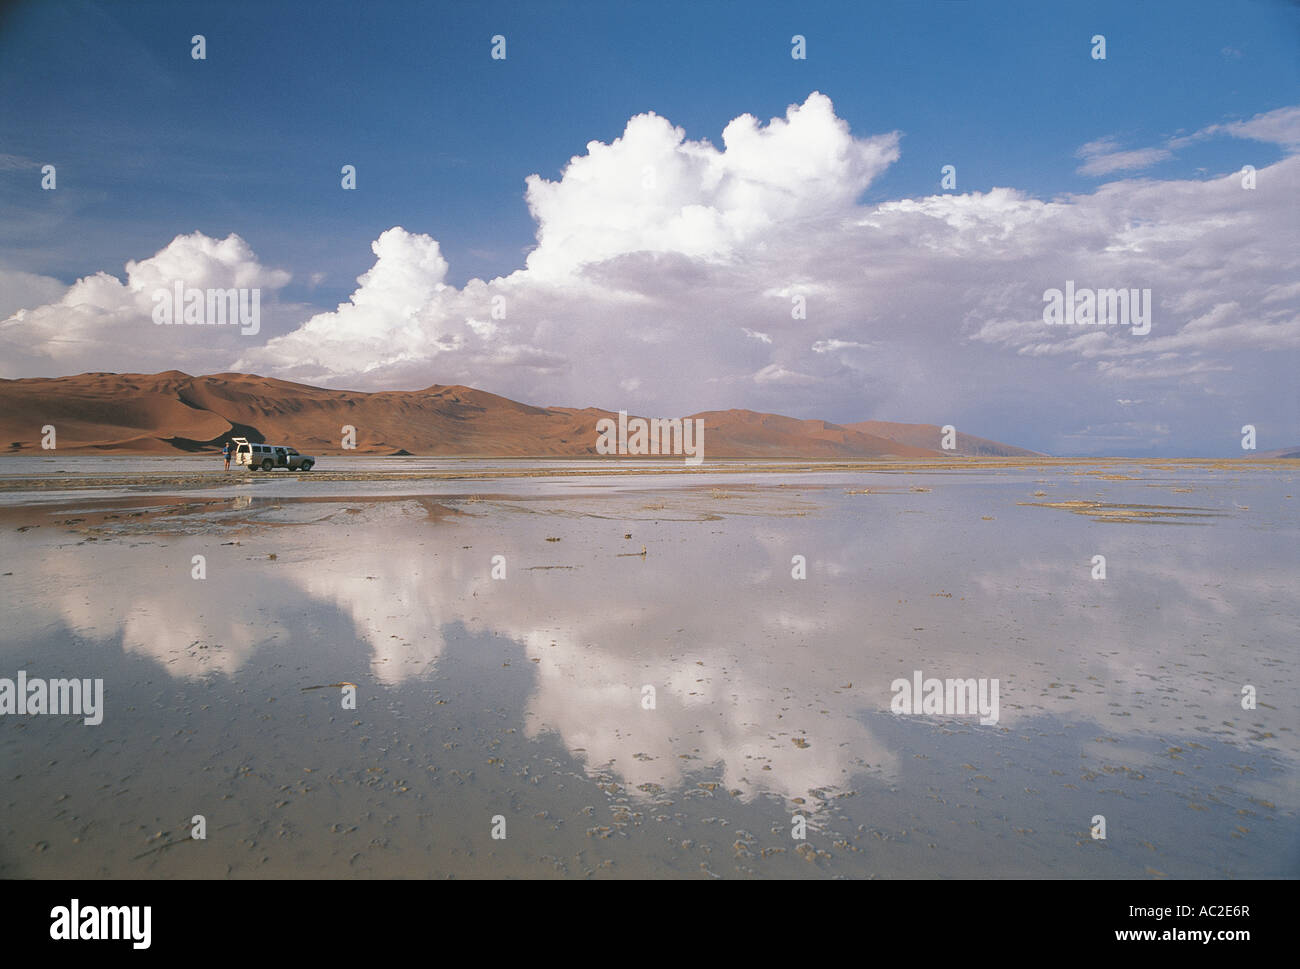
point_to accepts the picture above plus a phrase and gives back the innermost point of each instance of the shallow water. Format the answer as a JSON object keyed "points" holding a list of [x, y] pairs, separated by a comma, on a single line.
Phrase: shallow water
{"points": [[522, 698]]}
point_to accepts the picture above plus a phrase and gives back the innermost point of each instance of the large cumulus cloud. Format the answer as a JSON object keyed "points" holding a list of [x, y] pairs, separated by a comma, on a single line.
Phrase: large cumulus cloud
{"points": [[668, 275]]}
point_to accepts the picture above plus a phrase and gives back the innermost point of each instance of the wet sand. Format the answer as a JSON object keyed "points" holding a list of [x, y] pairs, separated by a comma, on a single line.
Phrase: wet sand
{"points": [[36, 475], [521, 697]]}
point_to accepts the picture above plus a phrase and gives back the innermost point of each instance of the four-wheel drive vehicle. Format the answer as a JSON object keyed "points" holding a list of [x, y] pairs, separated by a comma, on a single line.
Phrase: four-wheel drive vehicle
{"points": [[268, 456]]}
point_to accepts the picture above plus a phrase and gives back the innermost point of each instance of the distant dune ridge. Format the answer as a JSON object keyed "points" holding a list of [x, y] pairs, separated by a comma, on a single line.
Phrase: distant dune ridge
{"points": [[172, 412], [1277, 454]]}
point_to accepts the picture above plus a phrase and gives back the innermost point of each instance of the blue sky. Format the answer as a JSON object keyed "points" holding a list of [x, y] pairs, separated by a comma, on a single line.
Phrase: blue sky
{"points": [[150, 144]]}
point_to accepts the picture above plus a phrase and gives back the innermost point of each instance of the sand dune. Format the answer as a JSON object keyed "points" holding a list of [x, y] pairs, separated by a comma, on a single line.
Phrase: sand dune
{"points": [[1278, 453], [929, 436], [174, 412]]}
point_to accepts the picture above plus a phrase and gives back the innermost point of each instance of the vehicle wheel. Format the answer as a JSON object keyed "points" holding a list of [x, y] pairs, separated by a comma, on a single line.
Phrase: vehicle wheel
{"points": [[267, 465], [306, 465]]}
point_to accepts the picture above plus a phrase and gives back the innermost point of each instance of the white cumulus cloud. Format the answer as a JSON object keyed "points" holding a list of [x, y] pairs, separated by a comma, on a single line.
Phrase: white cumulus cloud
{"points": [[101, 322], [666, 270]]}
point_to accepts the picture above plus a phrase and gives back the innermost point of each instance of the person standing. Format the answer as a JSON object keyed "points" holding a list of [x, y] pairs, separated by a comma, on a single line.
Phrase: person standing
{"points": [[225, 453]]}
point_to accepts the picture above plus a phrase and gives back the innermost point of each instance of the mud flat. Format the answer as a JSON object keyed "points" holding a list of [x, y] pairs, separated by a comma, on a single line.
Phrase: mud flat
{"points": [[502, 622], [34, 475]]}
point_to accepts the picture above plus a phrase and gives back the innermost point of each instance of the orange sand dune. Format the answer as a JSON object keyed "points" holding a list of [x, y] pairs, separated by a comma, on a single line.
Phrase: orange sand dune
{"points": [[172, 412]]}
